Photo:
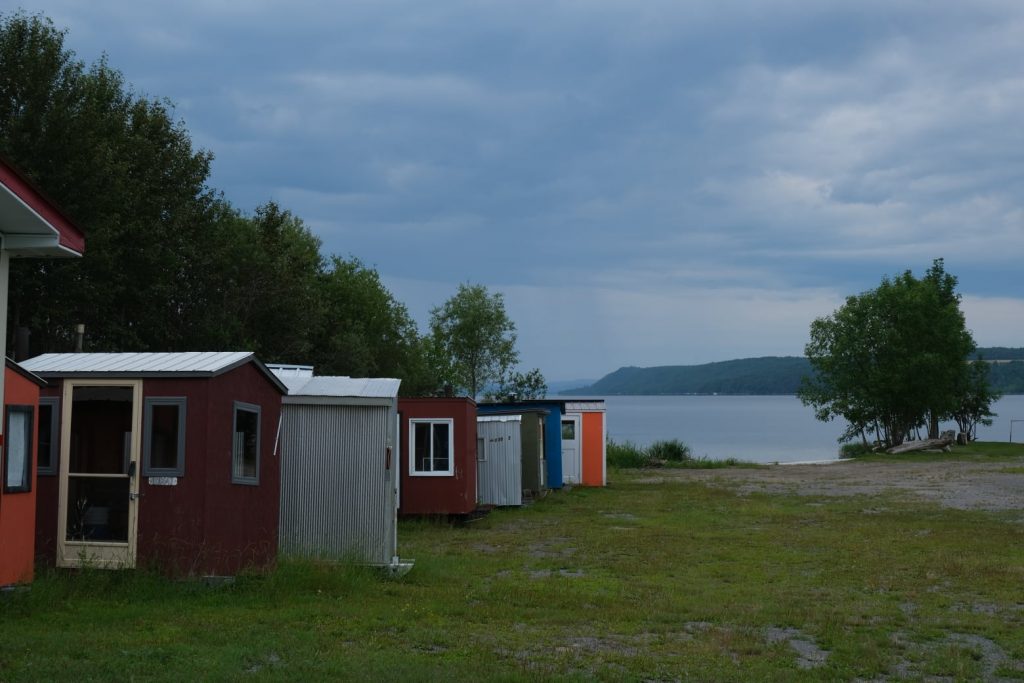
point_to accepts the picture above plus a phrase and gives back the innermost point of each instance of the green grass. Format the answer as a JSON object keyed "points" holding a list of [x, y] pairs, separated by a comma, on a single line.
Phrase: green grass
{"points": [[635, 581]]}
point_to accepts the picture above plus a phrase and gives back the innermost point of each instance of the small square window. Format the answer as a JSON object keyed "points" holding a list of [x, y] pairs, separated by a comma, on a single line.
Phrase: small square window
{"points": [[431, 448], [18, 449], [47, 435], [163, 437], [568, 430], [245, 459]]}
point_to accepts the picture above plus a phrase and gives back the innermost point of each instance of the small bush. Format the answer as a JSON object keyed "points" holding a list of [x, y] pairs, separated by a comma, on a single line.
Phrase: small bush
{"points": [[669, 451], [626, 454], [854, 450]]}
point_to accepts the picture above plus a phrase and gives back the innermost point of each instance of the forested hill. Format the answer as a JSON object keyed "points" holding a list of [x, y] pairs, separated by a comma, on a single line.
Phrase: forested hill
{"points": [[771, 375]]}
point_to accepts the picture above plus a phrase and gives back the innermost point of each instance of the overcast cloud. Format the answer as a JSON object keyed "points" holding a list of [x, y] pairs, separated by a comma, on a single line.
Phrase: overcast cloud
{"points": [[647, 183]]}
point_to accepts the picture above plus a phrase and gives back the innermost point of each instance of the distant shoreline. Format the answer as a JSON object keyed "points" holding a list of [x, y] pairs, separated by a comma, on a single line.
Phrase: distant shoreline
{"points": [[765, 376]]}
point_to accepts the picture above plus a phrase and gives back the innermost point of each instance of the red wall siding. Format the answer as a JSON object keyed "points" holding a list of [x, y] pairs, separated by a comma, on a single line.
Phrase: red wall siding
{"points": [[454, 495], [171, 517], [18, 510], [241, 521]]}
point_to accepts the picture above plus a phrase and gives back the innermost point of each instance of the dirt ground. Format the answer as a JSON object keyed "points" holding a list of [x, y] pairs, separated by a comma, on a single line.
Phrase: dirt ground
{"points": [[962, 485]]}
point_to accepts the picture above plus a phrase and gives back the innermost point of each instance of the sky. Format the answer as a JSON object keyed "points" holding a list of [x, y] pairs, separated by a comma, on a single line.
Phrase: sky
{"points": [[646, 183]]}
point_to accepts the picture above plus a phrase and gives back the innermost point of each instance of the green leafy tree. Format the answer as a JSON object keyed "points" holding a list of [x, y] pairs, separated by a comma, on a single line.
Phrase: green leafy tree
{"points": [[123, 169], [892, 359], [170, 264], [519, 386], [976, 398], [472, 341], [364, 331]]}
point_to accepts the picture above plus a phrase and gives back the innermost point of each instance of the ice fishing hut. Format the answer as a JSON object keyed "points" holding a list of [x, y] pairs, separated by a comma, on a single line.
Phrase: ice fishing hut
{"points": [[549, 414], [31, 226], [532, 435], [163, 460], [499, 460], [584, 435], [18, 464], [339, 467], [437, 456]]}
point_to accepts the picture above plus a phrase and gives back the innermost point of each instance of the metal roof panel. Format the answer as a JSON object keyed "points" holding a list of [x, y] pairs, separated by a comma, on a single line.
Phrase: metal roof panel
{"points": [[127, 363], [352, 387]]}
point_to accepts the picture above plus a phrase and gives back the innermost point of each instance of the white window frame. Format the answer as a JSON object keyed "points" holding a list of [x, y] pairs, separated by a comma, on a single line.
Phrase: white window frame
{"points": [[26, 442], [149, 403], [450, 472], [54, 427], [237, 478]]}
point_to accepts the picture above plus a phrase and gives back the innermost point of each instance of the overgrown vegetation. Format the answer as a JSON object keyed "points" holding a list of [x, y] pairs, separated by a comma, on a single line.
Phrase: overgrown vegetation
{"points": [[671, 453], [626, 454], [637, 581], [855, 450]]}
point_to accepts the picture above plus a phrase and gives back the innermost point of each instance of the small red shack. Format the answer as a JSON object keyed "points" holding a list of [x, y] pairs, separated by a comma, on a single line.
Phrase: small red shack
{"points": [[18, 464], [437, 456], [163, 460]]}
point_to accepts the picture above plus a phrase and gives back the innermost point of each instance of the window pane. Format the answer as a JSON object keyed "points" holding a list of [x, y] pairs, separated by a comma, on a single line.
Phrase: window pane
{"points": [[421, 440], [246, 460], [100, 418], [19, 449], [163, 434], [45, 436], [568, 430], [97, 508], [481, 454], [441, 439]]}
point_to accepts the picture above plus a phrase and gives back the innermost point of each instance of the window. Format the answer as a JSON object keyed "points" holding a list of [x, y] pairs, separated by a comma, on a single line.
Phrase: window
{"points": [[245, 445], [431, 451], [46, 436], [163, 437], [481, 452], [18, 449], [568, 430]]}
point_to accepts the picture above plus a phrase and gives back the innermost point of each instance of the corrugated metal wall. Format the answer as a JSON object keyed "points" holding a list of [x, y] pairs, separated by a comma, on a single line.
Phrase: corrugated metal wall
{"points": [[499, 468], [337, 490]]}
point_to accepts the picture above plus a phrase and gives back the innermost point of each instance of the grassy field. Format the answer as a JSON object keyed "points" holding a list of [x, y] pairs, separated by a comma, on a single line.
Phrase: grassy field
{"points": [[656, 582]]}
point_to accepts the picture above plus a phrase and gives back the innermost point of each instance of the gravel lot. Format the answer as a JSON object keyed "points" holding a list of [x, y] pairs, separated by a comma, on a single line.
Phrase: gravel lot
{"points": [[961, 485]]}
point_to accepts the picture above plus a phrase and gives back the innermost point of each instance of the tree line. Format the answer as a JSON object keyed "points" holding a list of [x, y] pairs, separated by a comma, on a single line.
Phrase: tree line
{"points": [[172, 265]]}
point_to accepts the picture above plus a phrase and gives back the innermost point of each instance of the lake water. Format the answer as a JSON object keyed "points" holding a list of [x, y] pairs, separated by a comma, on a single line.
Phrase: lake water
{"points": [[757, 428]]}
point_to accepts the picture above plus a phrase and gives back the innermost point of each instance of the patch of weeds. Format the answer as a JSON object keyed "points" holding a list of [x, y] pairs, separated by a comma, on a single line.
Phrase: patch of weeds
{"points": [[626, 454], [671, 451], [855, 450]]}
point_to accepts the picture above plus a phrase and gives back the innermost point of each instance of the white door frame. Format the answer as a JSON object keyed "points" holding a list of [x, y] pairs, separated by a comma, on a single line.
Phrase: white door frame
{"points": [[101, 554], [577, 418]]}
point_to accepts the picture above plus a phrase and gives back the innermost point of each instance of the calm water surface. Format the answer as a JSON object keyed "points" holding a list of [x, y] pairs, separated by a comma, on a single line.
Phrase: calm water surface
{"points": [[758, 428]]}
